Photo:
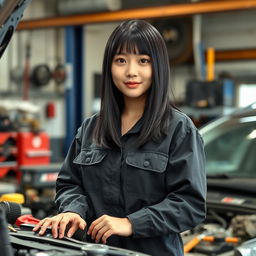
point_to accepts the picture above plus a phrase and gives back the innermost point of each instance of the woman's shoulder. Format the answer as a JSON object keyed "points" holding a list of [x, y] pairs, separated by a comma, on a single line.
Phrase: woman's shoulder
{"points": [[90, 120], [88, 125], [180, 118], [182, 127]]}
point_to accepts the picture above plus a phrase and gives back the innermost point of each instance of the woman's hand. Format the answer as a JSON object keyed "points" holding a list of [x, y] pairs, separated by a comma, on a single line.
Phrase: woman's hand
{"points": [[106, 226], [59, 224]]}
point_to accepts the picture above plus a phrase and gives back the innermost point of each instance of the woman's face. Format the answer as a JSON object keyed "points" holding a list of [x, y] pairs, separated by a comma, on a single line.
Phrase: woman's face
{"points": [[132, 74]]}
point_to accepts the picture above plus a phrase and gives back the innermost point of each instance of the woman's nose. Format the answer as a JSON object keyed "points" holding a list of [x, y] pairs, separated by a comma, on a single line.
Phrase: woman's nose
{"points": [[131, 70]]}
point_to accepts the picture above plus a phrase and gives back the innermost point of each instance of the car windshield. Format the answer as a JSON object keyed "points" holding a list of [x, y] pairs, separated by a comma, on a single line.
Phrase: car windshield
{"points": [[230, 148]]}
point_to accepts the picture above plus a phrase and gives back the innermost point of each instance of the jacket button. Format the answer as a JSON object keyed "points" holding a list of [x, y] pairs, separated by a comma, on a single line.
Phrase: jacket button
{"points": [[87, 159], [146, 163], [88, 154]]}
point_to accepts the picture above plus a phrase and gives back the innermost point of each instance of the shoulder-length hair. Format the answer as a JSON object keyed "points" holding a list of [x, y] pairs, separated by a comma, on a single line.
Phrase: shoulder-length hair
{"points": [[134, 36]]}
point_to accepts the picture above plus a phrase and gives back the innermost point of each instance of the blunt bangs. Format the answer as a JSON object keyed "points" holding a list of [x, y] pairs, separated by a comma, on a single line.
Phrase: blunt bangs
{"points": [[135, 37], [132, 43]]}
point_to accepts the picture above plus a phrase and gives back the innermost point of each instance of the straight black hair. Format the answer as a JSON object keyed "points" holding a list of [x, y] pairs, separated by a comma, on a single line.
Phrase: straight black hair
{"points": [[134, 36]]}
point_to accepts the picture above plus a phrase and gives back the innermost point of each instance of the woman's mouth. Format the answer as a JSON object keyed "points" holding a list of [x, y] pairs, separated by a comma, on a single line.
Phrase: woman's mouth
{"points": [[132, 84]]}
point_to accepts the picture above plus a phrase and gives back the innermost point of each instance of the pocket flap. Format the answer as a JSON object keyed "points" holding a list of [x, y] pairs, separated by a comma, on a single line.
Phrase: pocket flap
{"points": [[150, 161], [90, 156]]}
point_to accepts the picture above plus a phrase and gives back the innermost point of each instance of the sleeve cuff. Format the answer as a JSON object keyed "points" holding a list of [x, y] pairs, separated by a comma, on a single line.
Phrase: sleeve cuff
{"points": [[76, 208], [141, 223]]}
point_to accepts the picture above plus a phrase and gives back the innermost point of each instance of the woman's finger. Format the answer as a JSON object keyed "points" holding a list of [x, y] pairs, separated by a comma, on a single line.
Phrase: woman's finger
{"points": [[62, 226], [39, 224], [96, 229], [45, 225], [94, 223], [55, 225], [100, 233], [106, 236], [73, 229], [82, 224]]}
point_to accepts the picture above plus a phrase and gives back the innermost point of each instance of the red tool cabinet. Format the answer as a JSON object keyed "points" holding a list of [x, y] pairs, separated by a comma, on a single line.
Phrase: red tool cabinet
{"points": [[19, 149]]}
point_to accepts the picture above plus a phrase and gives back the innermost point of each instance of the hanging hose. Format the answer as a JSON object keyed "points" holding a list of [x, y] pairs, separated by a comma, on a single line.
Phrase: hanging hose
{"points": [[26, 78]]}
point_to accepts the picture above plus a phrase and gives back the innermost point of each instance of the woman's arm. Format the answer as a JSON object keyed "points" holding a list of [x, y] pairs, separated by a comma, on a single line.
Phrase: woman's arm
{"points": [[70, 198], [70, 195], [184, 205]]}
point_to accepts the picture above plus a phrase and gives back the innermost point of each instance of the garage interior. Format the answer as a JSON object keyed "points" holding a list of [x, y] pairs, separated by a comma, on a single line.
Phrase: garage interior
{"points": [[50, 75]]}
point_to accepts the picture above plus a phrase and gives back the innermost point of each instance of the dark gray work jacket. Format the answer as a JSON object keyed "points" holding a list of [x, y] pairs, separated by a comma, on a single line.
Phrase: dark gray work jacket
{"points": [[161, 187]]}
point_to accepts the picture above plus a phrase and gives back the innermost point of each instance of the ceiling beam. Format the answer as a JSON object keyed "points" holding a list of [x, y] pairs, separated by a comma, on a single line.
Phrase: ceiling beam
{"points": [[173, 10], [231, 55]]}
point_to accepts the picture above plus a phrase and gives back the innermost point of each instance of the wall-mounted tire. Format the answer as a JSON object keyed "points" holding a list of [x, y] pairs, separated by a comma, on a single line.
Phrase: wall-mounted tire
{"points": [[177, 34], [41, 75]]}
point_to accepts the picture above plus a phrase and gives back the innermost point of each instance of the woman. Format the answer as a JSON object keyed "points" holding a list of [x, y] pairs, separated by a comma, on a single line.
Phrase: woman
{"points": [[135, 173]]}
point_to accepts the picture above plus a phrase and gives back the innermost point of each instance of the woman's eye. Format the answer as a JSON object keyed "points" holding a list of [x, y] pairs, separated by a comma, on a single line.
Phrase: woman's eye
{"points": [[120, 60], [144, 60]]}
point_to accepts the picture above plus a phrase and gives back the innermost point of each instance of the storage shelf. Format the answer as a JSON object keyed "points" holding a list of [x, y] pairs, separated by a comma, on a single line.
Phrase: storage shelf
{"points": [[33, 94], [8, 164]]}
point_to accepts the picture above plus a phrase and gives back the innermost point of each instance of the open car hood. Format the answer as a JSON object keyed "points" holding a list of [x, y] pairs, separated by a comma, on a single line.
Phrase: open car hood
{"points": [[236, 184]]}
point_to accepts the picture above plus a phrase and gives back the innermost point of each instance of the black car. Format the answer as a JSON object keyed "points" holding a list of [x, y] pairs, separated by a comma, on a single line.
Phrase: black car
{"points": [[230, 226]]}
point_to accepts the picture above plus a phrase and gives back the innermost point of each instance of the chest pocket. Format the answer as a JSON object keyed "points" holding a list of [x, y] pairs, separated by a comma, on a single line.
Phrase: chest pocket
{"points": [[90, 157], [149, 161], [91, 166]]}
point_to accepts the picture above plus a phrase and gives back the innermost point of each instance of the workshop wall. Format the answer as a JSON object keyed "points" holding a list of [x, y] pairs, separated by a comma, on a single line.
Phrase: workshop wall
{"points": [[232, 30], [96, 37]]}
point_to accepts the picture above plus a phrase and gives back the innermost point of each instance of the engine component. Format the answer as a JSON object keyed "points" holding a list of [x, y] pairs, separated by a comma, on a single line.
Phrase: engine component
{"points": [[202, 237], [248, 248], [11, 210], [5, 245], [244, 226]]}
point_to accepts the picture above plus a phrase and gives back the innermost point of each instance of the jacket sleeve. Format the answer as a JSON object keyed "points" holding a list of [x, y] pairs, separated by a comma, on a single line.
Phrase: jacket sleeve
{"points": [[184, 205], [70, 196]]}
